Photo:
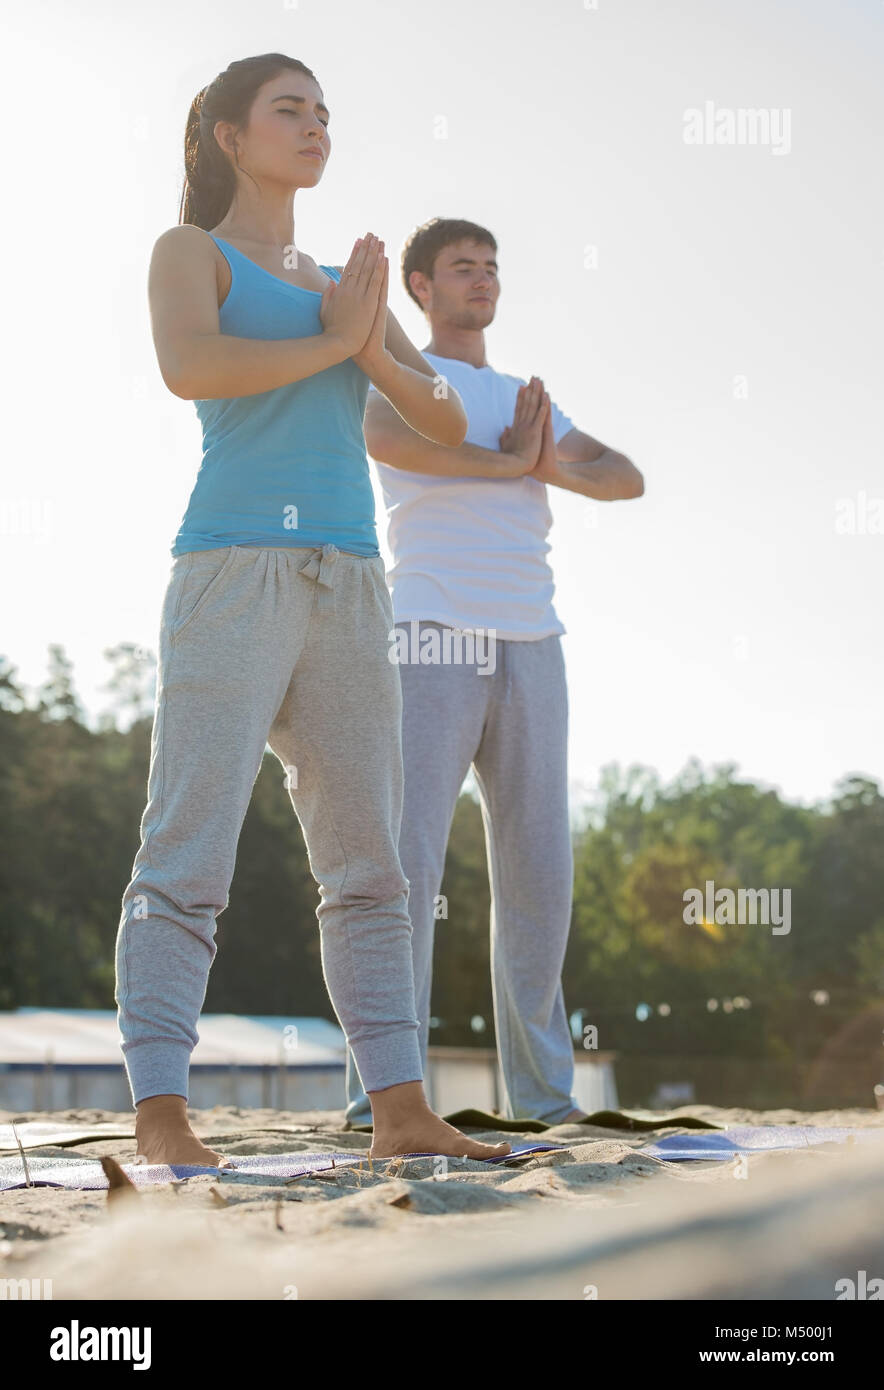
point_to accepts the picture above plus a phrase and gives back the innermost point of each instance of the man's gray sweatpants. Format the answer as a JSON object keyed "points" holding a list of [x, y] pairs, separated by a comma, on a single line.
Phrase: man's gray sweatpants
{"points": [[512, 726], [288, 646]]}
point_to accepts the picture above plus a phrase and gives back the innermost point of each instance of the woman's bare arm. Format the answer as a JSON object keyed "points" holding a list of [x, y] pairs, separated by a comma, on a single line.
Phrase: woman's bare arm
{"points": [[197, 360], [421, 400]]}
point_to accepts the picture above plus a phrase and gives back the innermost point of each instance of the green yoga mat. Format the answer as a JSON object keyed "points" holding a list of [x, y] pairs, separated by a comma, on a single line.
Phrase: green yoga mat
{"points": [[604, 1119]]}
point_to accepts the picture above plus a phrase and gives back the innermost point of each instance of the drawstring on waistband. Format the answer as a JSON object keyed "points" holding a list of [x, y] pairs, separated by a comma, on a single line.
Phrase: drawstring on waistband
{"points": [[320, 568]]}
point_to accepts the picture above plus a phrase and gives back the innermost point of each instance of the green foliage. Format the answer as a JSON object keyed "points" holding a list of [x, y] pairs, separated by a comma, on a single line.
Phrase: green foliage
{"points": [[644, 845]]}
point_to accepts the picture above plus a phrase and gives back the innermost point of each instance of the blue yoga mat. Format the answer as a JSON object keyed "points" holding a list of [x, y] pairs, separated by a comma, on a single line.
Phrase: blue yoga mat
{"points": [[754, 1139], [87, 1174]]}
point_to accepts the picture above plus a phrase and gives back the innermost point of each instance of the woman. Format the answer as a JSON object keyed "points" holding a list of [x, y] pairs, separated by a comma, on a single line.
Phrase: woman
{"points": [[275, 621]]}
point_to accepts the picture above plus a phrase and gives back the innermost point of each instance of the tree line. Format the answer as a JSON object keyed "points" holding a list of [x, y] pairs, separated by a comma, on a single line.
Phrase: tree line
{"points": [[638, 978]]}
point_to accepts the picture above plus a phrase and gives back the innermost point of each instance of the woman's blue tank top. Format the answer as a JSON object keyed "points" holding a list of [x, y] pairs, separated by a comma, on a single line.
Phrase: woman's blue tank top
{"points": [[288, 466]]}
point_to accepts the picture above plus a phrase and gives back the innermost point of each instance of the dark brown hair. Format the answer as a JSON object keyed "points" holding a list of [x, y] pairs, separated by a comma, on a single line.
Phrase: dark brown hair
{"points": [[425, 243], [209, 177]]}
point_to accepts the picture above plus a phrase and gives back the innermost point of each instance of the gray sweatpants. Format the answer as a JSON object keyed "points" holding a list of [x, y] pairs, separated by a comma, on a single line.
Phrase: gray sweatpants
{"points": [[512, 726], [287, 646]]}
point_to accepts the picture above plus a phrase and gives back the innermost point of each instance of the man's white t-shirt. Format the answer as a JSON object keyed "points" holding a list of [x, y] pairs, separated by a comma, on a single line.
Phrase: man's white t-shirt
{"points": [[471, 552]]}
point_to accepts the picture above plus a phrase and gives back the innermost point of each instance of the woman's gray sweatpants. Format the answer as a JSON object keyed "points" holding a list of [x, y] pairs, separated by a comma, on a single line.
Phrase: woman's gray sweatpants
{"points": [[288, 646], [512, 726]]}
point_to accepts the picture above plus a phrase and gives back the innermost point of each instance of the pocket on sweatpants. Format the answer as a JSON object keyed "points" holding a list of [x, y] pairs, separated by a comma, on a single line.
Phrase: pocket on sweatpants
{"points": [[199, 579]]}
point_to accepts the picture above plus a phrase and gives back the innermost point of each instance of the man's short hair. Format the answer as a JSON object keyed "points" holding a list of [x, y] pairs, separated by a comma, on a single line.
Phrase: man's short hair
{"points": [[425, 243]]}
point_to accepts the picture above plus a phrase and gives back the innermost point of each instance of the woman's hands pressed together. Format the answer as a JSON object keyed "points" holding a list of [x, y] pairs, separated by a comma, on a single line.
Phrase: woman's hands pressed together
{"points": [[354, 310], [375, 350]]}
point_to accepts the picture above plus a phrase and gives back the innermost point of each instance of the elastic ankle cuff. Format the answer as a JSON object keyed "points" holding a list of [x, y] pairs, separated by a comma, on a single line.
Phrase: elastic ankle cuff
{"points": [[157, 1068]]}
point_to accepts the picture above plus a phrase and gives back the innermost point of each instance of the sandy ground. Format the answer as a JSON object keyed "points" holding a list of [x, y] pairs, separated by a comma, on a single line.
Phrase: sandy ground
{"points": [[594, 1219]]}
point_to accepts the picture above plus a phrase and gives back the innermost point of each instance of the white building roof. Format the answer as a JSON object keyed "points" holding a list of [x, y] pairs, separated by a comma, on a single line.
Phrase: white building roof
{"points": [[91, 1037]]}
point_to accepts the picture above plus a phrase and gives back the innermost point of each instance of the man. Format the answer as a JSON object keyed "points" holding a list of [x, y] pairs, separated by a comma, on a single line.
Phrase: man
{"points": [[468, 531]]}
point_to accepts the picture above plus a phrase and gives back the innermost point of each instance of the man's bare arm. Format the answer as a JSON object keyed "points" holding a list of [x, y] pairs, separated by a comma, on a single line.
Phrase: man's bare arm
{"points": [[391, 441], [587, 466]]}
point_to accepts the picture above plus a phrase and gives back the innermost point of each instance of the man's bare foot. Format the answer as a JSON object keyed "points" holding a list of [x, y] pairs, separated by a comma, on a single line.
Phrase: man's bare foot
{"points": [[403, 1123], [163, 1134]]}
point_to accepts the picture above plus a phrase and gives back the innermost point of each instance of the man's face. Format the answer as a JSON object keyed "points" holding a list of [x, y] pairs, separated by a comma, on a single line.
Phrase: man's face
{"points": [[464, 288]]}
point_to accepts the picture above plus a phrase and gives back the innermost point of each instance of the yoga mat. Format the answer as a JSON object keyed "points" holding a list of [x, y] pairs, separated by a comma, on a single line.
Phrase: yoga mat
{"points": [[87, 1174], [37, 1134], [746, 1139], [605, 1119]]}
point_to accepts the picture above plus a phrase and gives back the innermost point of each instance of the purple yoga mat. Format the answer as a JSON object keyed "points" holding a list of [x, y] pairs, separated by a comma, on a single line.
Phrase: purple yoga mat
{"points": [[87, 1173], [747, 1139]]}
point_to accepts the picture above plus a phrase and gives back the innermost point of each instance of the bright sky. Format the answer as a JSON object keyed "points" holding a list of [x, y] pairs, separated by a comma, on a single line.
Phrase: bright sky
{"points": [[713, 310]]}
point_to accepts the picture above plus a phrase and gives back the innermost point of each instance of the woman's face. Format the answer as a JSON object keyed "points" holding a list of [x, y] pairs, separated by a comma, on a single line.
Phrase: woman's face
{"points": [[286, 140]]}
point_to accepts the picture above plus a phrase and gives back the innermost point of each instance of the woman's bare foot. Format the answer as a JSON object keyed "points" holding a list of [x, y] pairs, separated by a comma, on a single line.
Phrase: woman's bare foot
{"points": [[163, 1134], [403, 1123]]}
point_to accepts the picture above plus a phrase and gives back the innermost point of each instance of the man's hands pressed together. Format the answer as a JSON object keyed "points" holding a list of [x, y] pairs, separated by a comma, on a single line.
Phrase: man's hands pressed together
{"points": [[522, 440], [547, 468], [531, 434], [578, 463]]}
